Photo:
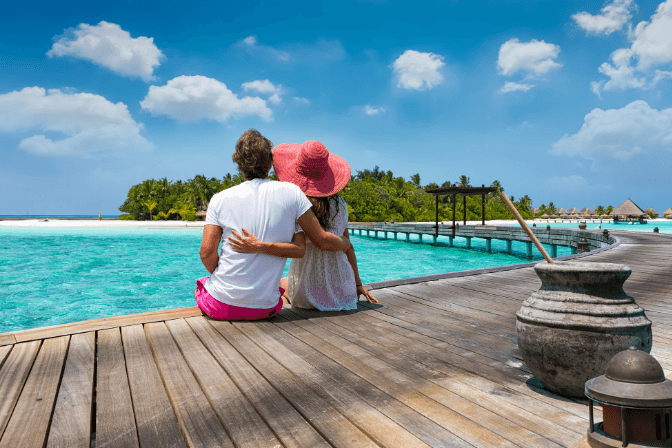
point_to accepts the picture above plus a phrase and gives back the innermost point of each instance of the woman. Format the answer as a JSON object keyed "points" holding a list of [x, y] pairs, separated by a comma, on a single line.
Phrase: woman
{"points": [[327, 281]]}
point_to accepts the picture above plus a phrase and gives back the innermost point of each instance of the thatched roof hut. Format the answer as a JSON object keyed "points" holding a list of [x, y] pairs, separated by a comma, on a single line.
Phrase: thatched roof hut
{"points": [[201, 214], [651, 211], [587, 211], [668, 213], [561, 211], [545, 215], [573, 211], [628, 209]]}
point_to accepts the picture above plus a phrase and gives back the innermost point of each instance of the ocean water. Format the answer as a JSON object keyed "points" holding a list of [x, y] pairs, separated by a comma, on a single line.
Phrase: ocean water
{"points": [[663, 226], [55, 276]]}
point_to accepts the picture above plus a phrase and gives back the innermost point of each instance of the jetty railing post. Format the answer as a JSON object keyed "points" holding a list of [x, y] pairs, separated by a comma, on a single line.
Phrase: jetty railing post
{"points": [[453, 215], [464, 206], [483, 206], [436, 234]]}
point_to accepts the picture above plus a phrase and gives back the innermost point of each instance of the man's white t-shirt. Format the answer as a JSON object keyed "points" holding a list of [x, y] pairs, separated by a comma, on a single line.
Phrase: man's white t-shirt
{"points": [[269, 210]]}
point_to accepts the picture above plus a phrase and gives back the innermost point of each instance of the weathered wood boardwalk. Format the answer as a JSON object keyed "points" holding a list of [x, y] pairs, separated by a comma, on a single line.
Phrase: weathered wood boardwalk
{"points": [[435, 364]]}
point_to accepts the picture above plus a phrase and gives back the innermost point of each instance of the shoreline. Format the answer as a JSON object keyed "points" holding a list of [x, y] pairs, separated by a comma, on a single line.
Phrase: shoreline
{"points": [[115, 223]]}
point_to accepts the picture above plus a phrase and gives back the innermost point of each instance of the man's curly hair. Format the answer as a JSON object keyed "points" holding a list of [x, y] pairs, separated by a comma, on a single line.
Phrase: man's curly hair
{"points": [[254, 155]]}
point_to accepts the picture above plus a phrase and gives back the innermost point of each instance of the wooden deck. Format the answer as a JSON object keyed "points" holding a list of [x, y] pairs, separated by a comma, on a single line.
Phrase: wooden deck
{"points": [[435, 364]]}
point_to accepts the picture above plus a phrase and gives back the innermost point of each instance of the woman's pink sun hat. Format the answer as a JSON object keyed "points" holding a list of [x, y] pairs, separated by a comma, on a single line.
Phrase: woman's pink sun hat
{"points": [[312, 167]]}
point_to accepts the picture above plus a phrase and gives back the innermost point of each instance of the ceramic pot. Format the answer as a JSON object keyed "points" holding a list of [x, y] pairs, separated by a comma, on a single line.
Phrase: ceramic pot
{"points": [[577, 321]]}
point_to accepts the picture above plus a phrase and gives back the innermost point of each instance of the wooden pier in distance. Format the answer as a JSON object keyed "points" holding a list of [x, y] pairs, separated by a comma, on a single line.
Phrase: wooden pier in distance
{"points": [[435, 364]]}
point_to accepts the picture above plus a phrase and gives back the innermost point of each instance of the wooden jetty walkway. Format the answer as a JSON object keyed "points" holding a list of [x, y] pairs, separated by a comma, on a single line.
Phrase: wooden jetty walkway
{"points": [[435, 364]]}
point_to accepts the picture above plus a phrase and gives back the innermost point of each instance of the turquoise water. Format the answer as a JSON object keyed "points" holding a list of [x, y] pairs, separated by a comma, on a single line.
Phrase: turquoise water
{"points": [[56, 276], [663, 226]]}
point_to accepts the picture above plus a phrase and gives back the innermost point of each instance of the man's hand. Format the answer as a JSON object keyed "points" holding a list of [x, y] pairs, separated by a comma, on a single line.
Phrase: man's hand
{"points": [[248, 244]]}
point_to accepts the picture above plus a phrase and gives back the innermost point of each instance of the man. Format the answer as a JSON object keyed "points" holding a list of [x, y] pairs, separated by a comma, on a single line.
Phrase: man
{"points": [[245, 285]]}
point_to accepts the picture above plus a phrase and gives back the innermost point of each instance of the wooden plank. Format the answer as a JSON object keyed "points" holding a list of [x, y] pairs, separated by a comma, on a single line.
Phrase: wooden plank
{"points": [[4, 352], [101, 324], [332, 424], [7, 339], [198, 422], [71, 423], [246, 428], [115, 423], [387, 420], [29, 423], [13, 376], [363, 348], [288, 425], [154, 416], [512, 422]]}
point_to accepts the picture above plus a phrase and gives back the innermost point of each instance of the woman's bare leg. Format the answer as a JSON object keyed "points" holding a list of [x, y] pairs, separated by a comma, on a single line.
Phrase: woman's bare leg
{"points": [[284, 284]]}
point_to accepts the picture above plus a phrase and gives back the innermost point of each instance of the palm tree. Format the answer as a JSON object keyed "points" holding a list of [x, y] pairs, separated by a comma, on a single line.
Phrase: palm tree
{"points": [[464, 181], [151, 205], [550, 208], [599, 210]]}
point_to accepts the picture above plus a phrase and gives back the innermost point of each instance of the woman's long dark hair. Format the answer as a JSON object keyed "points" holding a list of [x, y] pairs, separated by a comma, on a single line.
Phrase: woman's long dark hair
{"points": [[322, 209]]}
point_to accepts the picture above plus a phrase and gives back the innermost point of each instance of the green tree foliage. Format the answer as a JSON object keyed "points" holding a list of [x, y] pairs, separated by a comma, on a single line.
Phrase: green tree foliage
{"points": [[164, 199], [372, 196]]}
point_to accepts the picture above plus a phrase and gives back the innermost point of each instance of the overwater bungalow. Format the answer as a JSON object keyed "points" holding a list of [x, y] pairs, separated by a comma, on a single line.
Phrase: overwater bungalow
{"points": [[561, 211], [574, 211], [629, 212], [651, 211], [668, 213]]}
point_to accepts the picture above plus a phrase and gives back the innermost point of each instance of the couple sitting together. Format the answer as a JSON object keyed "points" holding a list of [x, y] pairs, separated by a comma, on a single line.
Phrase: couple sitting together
{"points": [[266, 222]]}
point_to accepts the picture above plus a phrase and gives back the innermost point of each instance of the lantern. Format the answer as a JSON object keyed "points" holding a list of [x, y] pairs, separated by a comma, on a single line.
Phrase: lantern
{"points": [[582, 246], [636, 402]]}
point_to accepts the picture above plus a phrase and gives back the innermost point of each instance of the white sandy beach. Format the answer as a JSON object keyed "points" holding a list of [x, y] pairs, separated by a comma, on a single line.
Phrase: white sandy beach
{"points": [[54, 222]]}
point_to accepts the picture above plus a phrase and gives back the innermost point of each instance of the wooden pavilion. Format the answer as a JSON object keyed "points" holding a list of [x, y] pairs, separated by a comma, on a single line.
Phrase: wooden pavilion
{"points": [[628, 211], [464, 191]]}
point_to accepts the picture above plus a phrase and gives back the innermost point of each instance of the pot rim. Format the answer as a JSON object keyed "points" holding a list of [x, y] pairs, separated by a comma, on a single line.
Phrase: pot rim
{"points": [[581, 267]]}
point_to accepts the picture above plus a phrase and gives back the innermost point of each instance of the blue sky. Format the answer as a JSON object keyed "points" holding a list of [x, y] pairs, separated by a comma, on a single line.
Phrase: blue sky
{"points": [[564, 101]]}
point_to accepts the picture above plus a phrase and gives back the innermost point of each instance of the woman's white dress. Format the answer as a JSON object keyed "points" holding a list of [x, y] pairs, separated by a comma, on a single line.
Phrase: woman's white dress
{"points": [[324, 280]]}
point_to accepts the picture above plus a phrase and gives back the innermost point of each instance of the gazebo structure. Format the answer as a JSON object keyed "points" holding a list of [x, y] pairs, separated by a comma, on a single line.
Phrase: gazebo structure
{"points": [[561, 211], [464, 191], [628, 211], [668, 213], [587, 211], [652, 212], [201, 214], [573, 211]]}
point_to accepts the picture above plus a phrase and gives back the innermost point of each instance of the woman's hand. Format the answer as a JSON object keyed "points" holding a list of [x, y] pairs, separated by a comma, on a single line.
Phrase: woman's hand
{"points": [[248, 244], [362, 290]]}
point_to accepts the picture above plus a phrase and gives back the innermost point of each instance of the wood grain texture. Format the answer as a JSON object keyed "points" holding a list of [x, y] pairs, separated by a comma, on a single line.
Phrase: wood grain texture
{"points": [[115, 421], [388, 421], [100, 324], [4, 352], [7, 339], [71, 423], [30, 420], [243, 423], [13, 375], [198, 422], [287, 424], [154, 416], [337, 429]]}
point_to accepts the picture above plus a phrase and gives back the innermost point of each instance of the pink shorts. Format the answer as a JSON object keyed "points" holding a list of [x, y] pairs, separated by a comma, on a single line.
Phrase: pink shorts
{"points": [[221, 311]]}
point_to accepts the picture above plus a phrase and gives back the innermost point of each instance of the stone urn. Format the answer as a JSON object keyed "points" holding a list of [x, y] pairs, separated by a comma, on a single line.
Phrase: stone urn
{"points": [[578, 320]]}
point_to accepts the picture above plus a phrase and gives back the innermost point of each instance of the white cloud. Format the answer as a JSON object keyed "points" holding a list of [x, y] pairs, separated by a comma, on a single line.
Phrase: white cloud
{"points": [[191, 98], [572, 182], [418, 71], [89, 122], [533, 58], [611, 18], [251, 44], [513, 86], [619, 134], [299, 99], [265, 86], [371, 111], [651, 46], [107, 45]]}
